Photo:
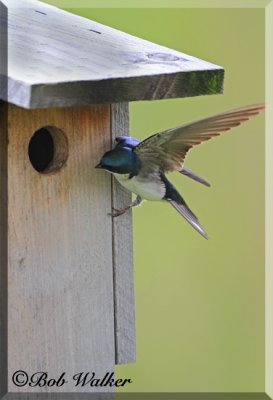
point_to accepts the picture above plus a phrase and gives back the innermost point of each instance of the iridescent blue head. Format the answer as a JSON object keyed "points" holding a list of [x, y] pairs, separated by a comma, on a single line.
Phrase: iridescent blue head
{"points": [[127, 141], [121, 160]]}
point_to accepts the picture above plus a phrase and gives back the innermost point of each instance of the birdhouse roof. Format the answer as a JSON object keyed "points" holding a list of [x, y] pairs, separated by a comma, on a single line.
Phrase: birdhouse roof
{"points": [[56, 58]]}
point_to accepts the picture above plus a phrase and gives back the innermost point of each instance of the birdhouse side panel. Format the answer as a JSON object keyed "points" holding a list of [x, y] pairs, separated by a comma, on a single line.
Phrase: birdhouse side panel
{"points": [[123, 264], [3, 247], [61, 308]]}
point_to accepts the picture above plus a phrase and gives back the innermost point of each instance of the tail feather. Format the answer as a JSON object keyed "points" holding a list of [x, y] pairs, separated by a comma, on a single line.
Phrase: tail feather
{"points": [[189, 216], [194, 176], [177, 201]]}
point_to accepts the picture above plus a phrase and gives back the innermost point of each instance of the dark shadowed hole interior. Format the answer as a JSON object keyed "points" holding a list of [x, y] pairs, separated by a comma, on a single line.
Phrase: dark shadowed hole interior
{"points": [[41, 149], [48, 149]]}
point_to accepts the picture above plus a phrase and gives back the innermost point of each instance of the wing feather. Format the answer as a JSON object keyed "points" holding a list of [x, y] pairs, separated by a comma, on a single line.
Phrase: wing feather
{"points": [[167, 150]]}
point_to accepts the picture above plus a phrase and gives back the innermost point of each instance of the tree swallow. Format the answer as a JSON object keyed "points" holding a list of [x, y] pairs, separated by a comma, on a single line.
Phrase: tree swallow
{"points": [[140, 166]]}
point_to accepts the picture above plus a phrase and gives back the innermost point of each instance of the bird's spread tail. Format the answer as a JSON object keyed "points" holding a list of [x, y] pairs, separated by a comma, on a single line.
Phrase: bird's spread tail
{"points": [[177, 201], [185, 211]]}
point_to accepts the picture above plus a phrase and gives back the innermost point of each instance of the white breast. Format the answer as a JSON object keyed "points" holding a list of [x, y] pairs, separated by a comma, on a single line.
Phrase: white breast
{"points": [[148, 189]]}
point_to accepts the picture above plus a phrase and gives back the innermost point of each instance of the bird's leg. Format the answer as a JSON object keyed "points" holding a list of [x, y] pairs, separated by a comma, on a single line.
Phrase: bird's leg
{"points": [[136, 202]]}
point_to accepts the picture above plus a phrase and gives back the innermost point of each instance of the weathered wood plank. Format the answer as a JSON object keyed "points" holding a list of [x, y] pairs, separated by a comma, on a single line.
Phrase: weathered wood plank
{"points": [[123, 264], [3, 206], [61, 314], [73, 60], [3, 247]]}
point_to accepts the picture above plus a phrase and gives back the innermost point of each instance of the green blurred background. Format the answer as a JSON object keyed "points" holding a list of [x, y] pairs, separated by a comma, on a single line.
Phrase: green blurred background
{"points": [[200, 304]]}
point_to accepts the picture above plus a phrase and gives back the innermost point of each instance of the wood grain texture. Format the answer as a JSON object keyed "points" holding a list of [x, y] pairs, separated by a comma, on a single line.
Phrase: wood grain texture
{"points": [[73, 61], [125, 336], [3, 247], [61, 314], [3, 205]]}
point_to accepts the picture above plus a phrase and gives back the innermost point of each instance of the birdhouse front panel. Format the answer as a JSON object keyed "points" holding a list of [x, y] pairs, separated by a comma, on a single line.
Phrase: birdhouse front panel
{"points": [[60, 243]]}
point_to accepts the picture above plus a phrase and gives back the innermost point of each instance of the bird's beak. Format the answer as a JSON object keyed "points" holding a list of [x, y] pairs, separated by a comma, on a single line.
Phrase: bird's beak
{"points": [[98, 166]]}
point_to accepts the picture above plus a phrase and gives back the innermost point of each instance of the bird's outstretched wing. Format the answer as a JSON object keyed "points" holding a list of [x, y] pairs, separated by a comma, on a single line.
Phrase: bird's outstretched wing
{"points": [[167, 150]]}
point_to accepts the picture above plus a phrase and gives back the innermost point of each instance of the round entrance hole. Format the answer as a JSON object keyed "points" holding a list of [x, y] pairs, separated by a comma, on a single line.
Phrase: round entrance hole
{"points": [[48, 149]]}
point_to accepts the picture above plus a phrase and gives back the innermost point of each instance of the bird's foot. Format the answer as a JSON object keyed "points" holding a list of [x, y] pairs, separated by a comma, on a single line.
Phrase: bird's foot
{"points": [[117, 212]]}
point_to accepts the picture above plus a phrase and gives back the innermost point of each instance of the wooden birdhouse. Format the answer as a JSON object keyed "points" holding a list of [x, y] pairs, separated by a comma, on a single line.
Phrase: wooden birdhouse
{"points": [[66, 291]]}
